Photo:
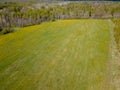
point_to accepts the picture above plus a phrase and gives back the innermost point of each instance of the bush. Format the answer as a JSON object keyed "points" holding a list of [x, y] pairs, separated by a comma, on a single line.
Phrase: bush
{"points": [[1, 28], [53, 19], [8, 30]]}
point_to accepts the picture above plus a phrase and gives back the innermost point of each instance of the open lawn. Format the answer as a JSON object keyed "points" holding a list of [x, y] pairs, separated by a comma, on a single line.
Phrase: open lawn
{"points": [[60, 55]]}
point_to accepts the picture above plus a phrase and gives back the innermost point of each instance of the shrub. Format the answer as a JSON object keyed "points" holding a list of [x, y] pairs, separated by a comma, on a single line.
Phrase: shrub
{"points": [[1, 28], [8, 30]]}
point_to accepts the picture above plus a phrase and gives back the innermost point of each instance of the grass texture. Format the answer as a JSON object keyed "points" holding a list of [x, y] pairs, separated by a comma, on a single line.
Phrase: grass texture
{"points": [[60, 55]]}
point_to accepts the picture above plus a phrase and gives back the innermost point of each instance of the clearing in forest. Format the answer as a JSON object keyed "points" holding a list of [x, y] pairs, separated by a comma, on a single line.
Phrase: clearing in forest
{"points": [[60, 55]]}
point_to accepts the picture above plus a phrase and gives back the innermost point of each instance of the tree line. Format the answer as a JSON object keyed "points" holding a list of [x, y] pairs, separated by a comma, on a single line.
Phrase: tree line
{"points": [[25, 14]]}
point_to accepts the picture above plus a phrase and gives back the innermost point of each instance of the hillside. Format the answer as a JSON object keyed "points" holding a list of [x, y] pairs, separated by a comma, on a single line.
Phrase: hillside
{"points": [[65, 55]]}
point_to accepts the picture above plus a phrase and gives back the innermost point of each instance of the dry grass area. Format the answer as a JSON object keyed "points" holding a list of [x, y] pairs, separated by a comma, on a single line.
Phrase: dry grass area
{"points": [[116, 55]]}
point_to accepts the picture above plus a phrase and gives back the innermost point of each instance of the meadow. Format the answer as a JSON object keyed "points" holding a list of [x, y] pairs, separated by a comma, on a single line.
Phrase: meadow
{"points": [[60, 55]]}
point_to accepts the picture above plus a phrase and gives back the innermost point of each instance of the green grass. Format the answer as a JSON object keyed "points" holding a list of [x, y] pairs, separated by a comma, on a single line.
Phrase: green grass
{"points": [[61, 55]]}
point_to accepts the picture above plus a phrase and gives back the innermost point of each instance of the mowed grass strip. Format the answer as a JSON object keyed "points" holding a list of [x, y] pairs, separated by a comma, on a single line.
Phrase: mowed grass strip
{"points": [[60, 55]]}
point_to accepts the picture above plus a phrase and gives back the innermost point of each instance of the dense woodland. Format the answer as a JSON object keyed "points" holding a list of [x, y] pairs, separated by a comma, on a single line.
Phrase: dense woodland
{"points": [[25, 14]]}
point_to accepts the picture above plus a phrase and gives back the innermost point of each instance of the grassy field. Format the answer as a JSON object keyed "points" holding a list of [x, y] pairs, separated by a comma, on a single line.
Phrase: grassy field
{"points": [[60, 55]]}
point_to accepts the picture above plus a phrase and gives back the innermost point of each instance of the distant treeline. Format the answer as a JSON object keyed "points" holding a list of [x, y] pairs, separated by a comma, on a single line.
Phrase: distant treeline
{"points": [[50, 0], [25, 14]]}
